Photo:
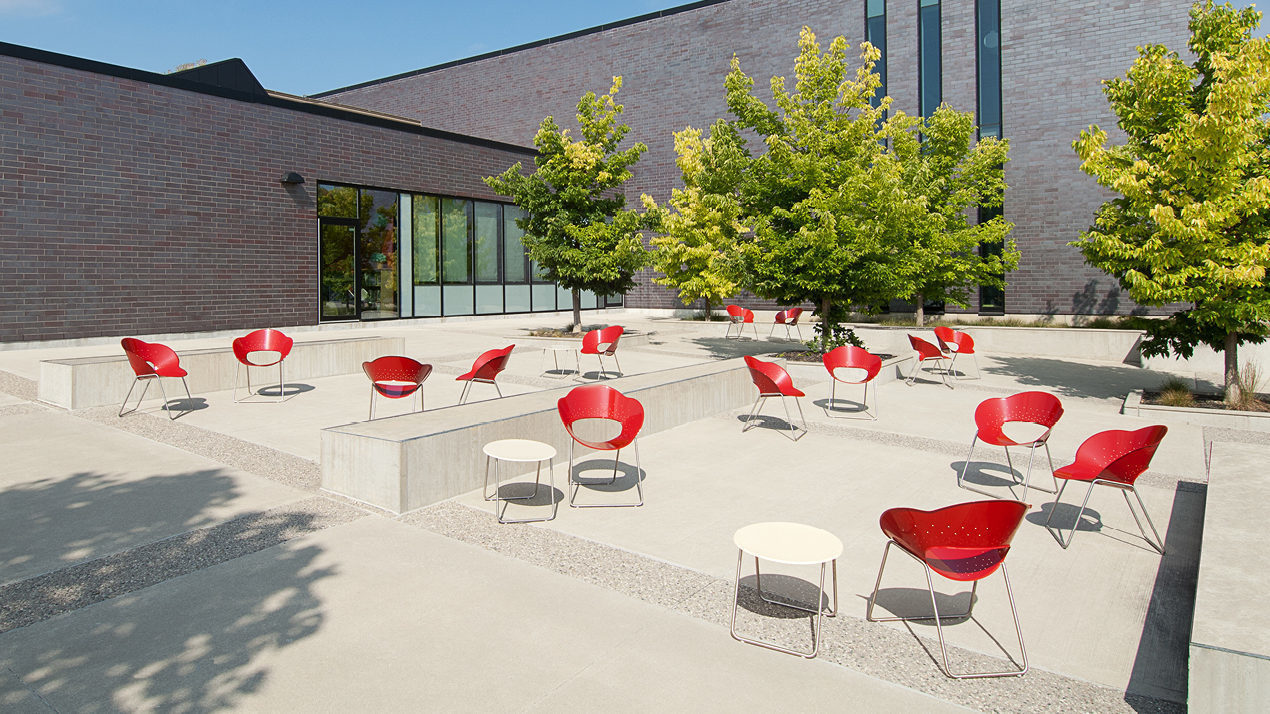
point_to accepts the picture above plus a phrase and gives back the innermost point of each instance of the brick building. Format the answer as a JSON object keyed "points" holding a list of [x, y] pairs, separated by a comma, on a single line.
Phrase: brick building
{"points": [[139, 203]]}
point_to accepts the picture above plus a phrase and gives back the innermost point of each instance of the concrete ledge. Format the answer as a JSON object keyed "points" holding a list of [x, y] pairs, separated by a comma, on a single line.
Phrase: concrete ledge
{"points": [[414, 460], [1169, 416], [1230, 637], [97, 381]]}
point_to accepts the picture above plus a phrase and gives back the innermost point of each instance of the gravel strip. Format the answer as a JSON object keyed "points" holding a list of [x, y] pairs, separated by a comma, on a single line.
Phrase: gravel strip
{"points": [[907, 658], [244, 455], [39, 598], [20, 387]]}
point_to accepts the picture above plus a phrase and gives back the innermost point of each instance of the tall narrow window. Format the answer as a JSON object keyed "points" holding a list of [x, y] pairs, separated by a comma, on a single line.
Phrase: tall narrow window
{"points": [[929, 62], [875, 34], [988, 62]]}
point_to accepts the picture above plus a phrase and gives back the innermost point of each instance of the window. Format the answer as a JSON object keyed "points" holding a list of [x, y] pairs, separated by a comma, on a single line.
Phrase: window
{"points": [[485, 221], [426, 228], [929, 61], [988, 29], [515, 268], [456, 253], [875, 34]]}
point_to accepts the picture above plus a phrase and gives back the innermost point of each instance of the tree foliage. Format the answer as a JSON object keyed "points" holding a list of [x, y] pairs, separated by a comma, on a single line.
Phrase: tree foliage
{"points": [[577, 228], [1190, 224], [942, 177], [702, 221]]}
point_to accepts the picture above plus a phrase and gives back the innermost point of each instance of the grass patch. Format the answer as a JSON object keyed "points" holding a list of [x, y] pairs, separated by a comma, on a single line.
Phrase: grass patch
{"points": [[1175, 392]]}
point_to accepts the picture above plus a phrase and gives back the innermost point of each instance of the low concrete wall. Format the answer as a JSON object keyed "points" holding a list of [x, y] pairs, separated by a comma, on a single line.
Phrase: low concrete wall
{"points": [[414, 460], [1062, 342], [1230, 637], [97, 381], [1228, 418]]}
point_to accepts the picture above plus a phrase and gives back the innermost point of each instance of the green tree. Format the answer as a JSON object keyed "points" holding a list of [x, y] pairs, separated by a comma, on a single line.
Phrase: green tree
{"points": [[943, 176], [702, 222], [1193, 176], [578, 229], [823, 199]]}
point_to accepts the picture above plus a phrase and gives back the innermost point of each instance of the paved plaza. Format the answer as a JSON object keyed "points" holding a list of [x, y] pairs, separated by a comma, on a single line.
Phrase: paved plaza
{"points": [[196, 564]]}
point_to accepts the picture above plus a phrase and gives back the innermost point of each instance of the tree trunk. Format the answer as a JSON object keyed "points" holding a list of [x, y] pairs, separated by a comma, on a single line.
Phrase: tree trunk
{"points": [[826, 325], [709, 310], [577, 311], [1231, 350], [921, 309]]}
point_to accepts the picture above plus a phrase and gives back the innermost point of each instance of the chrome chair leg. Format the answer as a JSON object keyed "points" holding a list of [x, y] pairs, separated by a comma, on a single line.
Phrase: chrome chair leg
{"points": [[1160, 547], [189, 398], [574, 485], [140, 398], [749, 418], [371, 416]]}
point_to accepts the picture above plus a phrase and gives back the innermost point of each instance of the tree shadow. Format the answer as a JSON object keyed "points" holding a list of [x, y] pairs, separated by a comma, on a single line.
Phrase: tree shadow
{"points": [[725, 348], [132, 636], [1068, 379]]}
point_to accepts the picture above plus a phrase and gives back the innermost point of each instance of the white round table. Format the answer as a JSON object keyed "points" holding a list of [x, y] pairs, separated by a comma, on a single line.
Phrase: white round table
{"points": [[519, 451], [555, 351], [788, 544]]}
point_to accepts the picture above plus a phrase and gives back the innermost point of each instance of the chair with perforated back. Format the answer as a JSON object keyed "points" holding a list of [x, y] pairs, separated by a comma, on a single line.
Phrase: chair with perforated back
{"points": [[1113, 458], [599, 401], [251, 350], [788, 318], [394, 377], [963, 542], [772, 380], [150, 362], [739, 317], [861, 367], [954, 344], [603, 343], [1041, 409], [927, 353], [484, 370]]}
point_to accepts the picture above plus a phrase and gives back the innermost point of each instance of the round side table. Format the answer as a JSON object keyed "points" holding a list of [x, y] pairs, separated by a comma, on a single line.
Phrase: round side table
{"points": [[789, 544], [519, 451]]}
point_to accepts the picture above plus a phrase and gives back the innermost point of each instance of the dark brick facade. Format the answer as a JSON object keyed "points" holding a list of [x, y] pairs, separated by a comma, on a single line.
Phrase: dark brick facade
{"points": [[128, 206], [1054, 55]]}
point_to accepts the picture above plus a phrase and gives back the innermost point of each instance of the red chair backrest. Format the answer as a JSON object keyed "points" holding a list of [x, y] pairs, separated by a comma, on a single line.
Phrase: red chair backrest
{"points": [[850, 356], [600, 401], [393, 368], [944, 333], [925, 350], [965, 344], [966, 541], [747, 315], [735, 312], [151, 358], [790, 316], [769, 377], [266, 340], [1040, 408], [491, 362], [1119, 455], [607, 336]]}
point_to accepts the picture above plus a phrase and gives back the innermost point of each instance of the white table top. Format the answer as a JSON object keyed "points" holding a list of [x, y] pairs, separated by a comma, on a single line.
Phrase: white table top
{"points": [[519, 450], [789, 543]]}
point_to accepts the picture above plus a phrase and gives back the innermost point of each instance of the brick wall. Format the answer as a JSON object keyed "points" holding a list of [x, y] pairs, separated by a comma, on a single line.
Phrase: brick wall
{"points": [[130, 207], [1053, 56]]}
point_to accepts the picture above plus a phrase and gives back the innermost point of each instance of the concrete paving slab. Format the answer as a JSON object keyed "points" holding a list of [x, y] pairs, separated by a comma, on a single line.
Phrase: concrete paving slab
{"points": [[707, 479], [73, 490], [306, 625]]}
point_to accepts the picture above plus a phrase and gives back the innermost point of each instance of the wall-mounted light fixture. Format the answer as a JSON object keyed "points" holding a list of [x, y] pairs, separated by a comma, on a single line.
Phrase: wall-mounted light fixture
{"points": [[292, 177]]}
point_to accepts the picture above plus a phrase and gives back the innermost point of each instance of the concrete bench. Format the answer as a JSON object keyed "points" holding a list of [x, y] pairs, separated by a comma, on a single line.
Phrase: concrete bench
{"points": [[411, 461], [98, 381], [1230, 636]]}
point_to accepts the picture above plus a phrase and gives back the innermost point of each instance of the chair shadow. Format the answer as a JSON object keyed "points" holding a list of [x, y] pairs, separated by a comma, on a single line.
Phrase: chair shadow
{"points": [[1064, 516], [524, 494], [782, 589], [831, 410], [980, 473], [181, 407], [290, 390], [773, 423], [626, 478], [915, 603]]}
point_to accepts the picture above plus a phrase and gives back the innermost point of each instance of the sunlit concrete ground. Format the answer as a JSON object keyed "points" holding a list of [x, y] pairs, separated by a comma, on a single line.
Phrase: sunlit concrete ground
{"points": [[341, 608]]}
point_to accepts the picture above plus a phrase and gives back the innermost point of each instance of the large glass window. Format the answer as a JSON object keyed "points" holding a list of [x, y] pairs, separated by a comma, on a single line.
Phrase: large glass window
{"points": [[515, 267], [929, 59], [875, 33], [485, 229], [988, 27], [426, 224], [456, 253]]}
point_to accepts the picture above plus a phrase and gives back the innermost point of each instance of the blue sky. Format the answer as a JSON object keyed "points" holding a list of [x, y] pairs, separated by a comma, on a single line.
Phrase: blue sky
{"points": [[300, 47], [305, 47]]}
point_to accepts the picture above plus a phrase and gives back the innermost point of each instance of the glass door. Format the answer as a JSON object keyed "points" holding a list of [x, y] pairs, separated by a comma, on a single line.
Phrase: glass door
{"points": [[337, 281]]}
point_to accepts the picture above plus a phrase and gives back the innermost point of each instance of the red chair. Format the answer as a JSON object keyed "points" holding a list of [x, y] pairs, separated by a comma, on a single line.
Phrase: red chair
{"points": [[603, 343], [485, 369], [926, 352], [788, 318], [964, 542], [862, 363], [599, 401], [395, 377], [151, 361], [246, 349], [1040, 408], [1115, 458], [773, 381], [739, 317], [955, 343]]}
